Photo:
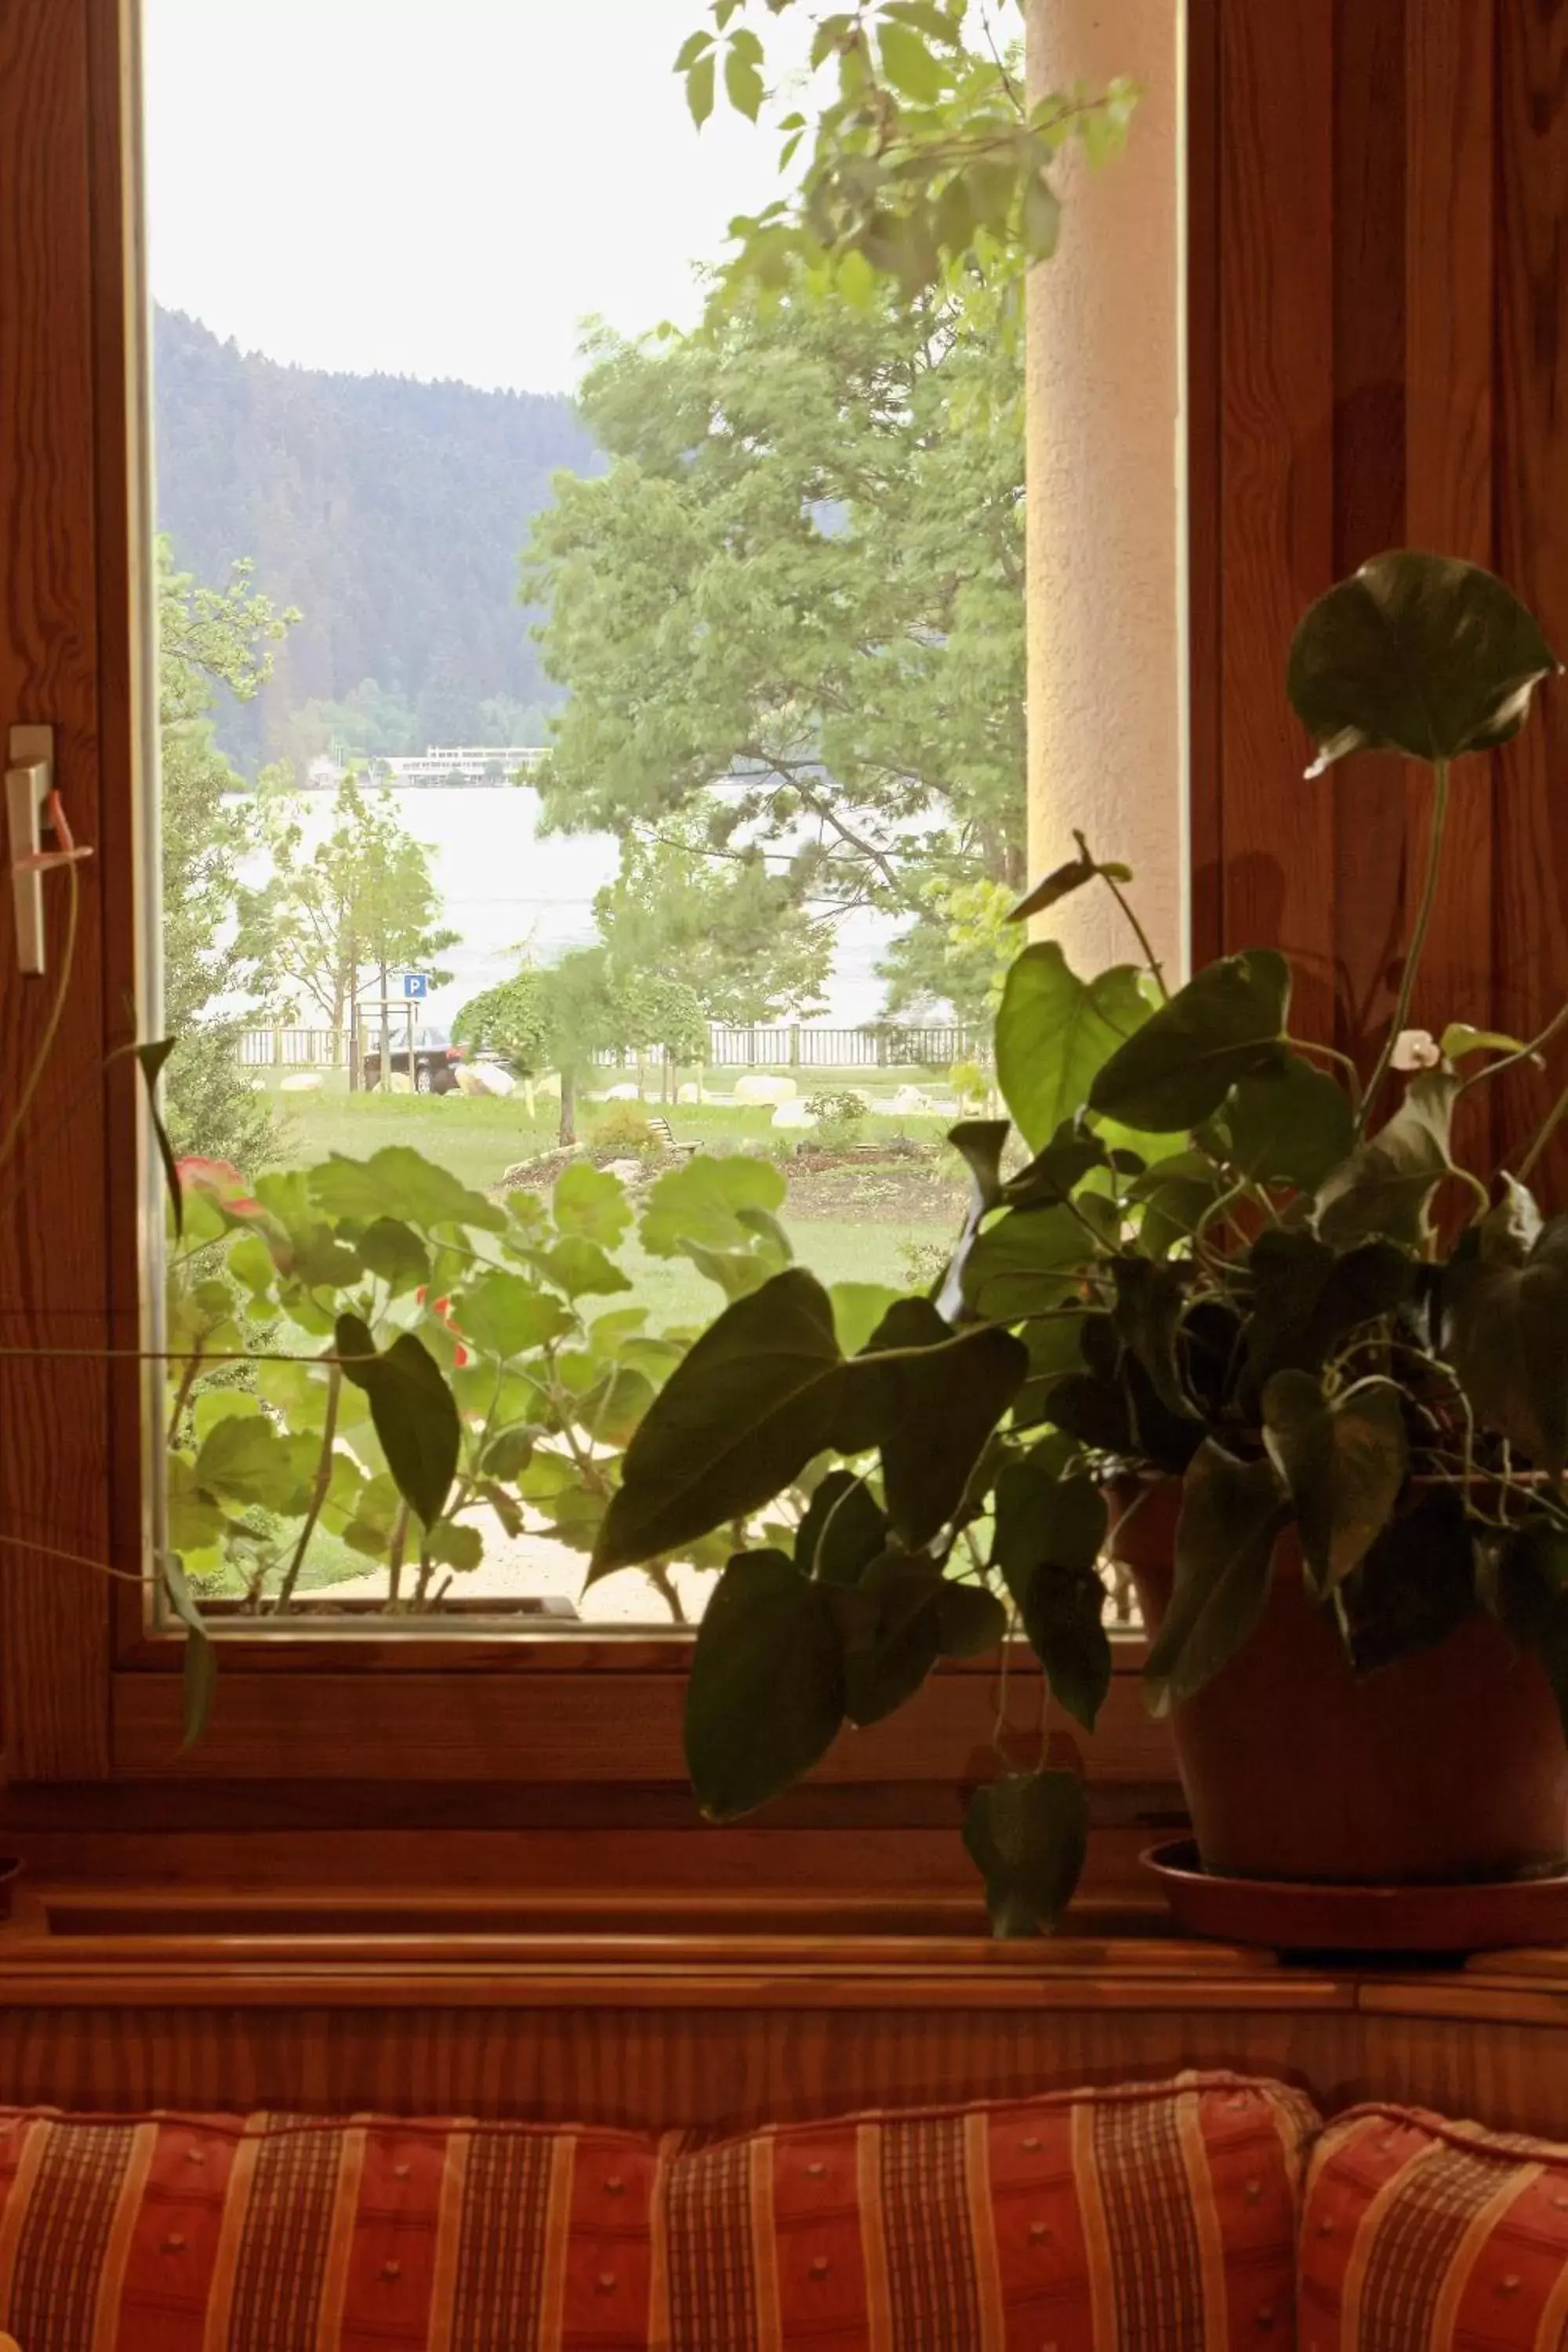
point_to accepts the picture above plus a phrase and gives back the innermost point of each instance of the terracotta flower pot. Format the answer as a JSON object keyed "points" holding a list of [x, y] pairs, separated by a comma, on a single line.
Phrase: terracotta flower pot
{"points": [[1447, 1765]]}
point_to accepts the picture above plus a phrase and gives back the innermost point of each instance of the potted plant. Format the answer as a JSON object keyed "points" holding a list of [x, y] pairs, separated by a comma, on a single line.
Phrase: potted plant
{"points": [[1228, 1312]]}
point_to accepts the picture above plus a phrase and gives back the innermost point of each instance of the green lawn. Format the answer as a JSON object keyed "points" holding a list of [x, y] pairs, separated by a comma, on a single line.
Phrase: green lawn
{"points": [[478, 1140]]}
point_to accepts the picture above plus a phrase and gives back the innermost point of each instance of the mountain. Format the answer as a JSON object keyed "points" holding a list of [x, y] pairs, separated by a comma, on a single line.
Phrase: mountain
{"points": [[391, 513]]}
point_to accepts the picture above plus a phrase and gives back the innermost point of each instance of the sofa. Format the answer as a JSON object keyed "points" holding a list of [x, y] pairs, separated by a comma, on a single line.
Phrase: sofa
{"points": [[1201, 2214]]}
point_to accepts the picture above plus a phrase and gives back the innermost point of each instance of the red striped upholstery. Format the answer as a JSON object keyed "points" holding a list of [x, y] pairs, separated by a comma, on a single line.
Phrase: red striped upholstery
{"points": [[1151, 2218], [1418, 2232]]}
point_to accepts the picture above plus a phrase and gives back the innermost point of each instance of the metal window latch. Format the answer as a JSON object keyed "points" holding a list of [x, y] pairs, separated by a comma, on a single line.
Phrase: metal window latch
{"points": [[32, 807], [29, 780]]}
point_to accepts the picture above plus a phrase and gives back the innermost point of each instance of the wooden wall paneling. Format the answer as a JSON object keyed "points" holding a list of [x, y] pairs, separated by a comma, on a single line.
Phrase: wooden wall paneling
{"points": [[1450, 276], [1531, 494], [1276, 343], [1372, 884], [54, 1616]]}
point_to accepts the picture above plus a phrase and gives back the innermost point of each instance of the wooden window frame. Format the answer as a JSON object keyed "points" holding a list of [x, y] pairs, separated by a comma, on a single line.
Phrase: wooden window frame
{"points": [[383, 1731]]}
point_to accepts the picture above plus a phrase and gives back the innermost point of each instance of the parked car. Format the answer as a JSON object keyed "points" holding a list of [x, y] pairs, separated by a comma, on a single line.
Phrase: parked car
{"points": [[434, 1060]]}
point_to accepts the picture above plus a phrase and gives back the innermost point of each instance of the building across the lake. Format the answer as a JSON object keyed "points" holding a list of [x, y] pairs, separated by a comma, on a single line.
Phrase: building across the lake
{"points": [[435, 767]]}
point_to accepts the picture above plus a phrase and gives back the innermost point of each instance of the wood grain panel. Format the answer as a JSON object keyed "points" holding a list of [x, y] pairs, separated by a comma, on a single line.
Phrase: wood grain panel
{"points": [[573, 1728], [1532, 517], [1276, 333], [1449, 412], [54, 1617]]}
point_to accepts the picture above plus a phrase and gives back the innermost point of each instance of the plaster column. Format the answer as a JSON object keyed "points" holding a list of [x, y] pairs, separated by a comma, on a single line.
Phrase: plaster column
{"points": [[1106, 529]]}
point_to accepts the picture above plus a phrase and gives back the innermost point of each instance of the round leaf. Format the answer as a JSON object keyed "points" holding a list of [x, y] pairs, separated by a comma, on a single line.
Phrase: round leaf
{"points": [[1417, 654]]}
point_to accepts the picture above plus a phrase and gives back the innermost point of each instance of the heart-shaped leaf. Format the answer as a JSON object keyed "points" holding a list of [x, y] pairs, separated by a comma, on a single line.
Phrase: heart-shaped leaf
{"points": [[1307, 1299], [1415, 652], [1049, 1533], [413, 1410], [1054, 1033], [1148, 1319], [1387, 1185], [1288, 1123], [842, 1530], [1028, 1836], [930, 1408], [1506, 1335], [1231, 1513], [1225, 1024], [1343, 1464], [757, 1397], [765, 1696]]}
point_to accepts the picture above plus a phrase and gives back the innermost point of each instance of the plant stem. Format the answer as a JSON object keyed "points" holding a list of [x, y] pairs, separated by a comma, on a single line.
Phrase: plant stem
{"points": [[318, 1493], [1156, 968], [1525, 1053], [1549, 1128], [1441, 771], [188, 1379], [1331, 1053]]}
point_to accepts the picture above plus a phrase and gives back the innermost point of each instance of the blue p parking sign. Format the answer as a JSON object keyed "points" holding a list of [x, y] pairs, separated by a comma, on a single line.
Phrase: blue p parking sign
{"points": [[415, 983]]}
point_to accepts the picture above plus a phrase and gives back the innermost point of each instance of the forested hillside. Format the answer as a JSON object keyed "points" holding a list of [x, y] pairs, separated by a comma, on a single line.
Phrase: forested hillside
{"points": [[391, 512]]}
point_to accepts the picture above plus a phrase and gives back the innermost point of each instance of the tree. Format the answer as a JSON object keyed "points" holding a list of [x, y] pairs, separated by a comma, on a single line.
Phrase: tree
{"points": [[560, 1017], [791, 613], [365, 899], [959, 956], [927, 164], [721, 924], [208, 638]]}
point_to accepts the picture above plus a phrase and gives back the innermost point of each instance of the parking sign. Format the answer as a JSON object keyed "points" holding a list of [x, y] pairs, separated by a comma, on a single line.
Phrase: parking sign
{"points": [[414, 984]]}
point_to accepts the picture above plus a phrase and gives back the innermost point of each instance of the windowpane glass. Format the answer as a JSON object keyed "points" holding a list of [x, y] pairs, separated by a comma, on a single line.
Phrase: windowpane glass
{"points": [[593, 779]]}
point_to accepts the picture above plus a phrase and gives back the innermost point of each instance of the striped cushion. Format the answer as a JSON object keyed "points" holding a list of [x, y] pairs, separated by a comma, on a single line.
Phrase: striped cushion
{"points": [[272, 2234], [1153, 2219], [1420, 2235]]}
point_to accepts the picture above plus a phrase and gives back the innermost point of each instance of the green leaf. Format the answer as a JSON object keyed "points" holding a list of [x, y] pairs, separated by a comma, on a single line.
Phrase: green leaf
{"points": [[757, 1397], [1049, 1533], [1387, 1184], [696, 44], [765, 1696], [581, 1268], [455, 1544], [970, 1620], [908, 64], [1027, 1835], [1054, 1034], [399, 1181], [703, 1202], [932, 1410], [1418, 654], [248, 1461], [1227, 1024], [222, 1404], [1231, 1513], [195, 1520], [250, 1262], [1288, 1123], [1506, 1335], [843, 1528], [1307, 1300], [1023, 1263], [511, 1451], [413, 1410], [1042, 217], [1416, 1585], [1459, 1039], [1343, 1462], [857, 1309], [395, 1251], [199, 1672], [150, 1060], [881, 1672], [742, 83], [1054, 1174], [699, 89], [505, 1315], [591, 1203], [1148, 1319]]}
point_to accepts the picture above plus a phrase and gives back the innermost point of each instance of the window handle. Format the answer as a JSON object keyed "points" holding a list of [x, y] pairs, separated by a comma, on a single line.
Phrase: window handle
{"points": [[29, 780]]}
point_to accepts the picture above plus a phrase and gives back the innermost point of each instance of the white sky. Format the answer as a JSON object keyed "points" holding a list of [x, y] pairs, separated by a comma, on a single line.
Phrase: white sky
{"points": [[436, 187]]}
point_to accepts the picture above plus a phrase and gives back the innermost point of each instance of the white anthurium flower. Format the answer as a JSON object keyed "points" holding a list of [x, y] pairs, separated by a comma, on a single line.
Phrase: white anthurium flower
{"points": [[1416, 1049]]}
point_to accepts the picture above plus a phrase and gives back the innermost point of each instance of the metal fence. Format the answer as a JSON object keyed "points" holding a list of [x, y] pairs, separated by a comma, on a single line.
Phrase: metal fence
{"points": [[293, 1049], [884, 1046]]}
